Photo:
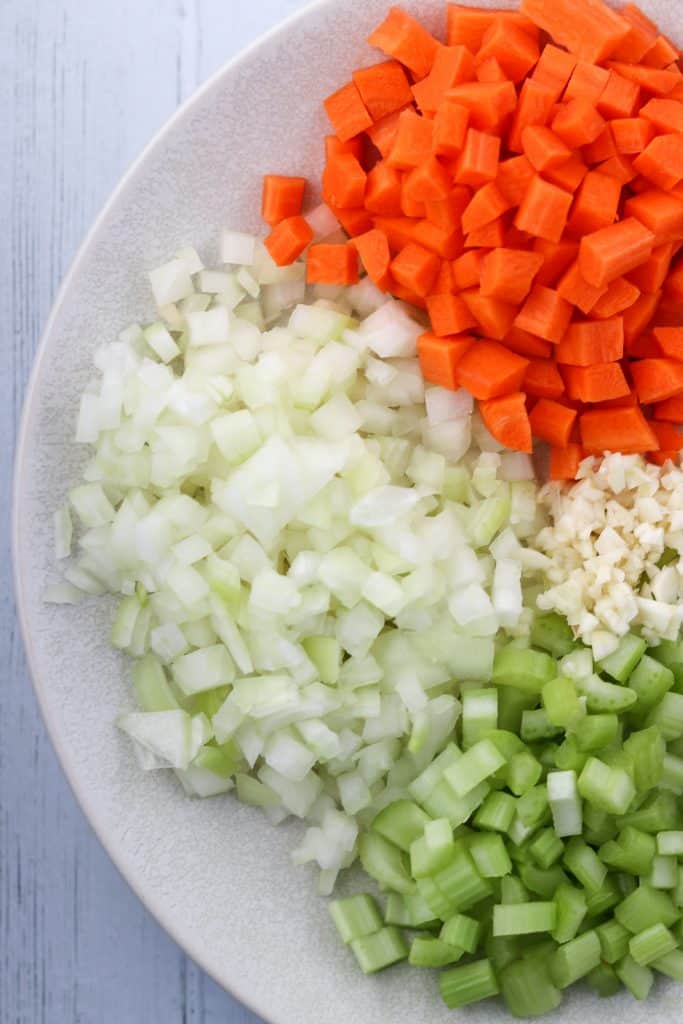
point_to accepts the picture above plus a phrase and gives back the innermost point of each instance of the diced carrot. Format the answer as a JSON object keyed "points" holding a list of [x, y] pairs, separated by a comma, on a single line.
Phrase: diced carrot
{"points": [[446, 243], [629, 401], [384, 88], [478, 162], [398, 291], [447, 213], [650, 277], [651, 80], [588, 82], [657, 379], [660, 212], [489, 70], [444, 283], [486, 205], [452, 66], [588, 28], [619, 98], [508, 274], [514, 177], [596, 383], [542, 379], [344, 182], [662, 161], [574, 289], [467, 26], [439, 358], [489, 103], [544, 210], [375, 255], [467, 270], [495, 318], [429, 182], [662, 54], [552, 422], [536, 101], [332, 264], [383, 190], [282, 198], [568, 176], [619, 167], [507, 420], [596, 204], [544, 149], [641, 37], [631, 134], [288, 239], [674, 284], [670, 341], [450, 129], [670, 443], [602, 149], [557, 257], [514, 49], [619, 296], [554, 69], [525, 344], [614, 251], [578, 123], [413, 142], [545, 314], [411, 207], [671, 410], [565, 462], [335, 147], [402, 37], [666, 115], [491, 236], [516, 239], [416, 268], [383, 133], [354, 221], [488, 370], [637, 318], [347, 112], [593, 341], [449, 314]]}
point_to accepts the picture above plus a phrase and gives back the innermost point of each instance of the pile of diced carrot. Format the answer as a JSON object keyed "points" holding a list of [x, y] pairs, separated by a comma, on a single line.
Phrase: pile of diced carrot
{"points": [[524, 185]]}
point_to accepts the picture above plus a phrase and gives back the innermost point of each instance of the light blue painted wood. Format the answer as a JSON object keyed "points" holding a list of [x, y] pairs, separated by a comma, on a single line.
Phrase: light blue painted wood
{"points": [[84, 85]]}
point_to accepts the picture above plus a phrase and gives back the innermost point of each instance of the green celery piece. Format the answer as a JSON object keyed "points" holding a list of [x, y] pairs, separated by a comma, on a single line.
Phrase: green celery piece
{"points": [[444, 803], [663, 873], [604, 697], [568, 757], [384, 948], [658, 813], [541, 881], [668, 715], [571, 911], [646, 750], [326, 654], [539, 949], [675, 747], [650, 680], [419, 914], [599, 901], [575, 959], [537, 726], [462, 931], [441, 906], [596, 732], [401, 823], [651, 944], [638, 980], [528, 990], [256, 794], [461, 883], [561, 703], [506, 743], [670, 843], [384, 862], [476, 765], [502, 950], [523, 772], [496, 813], [524, 669], [622, 662], [645, 907], [632, 851], [492, 515], [670, 653], [426, 782], [603, 981], [546, 848], [490, 855], [429, 951], [584, 864], [598, 826], [425, 862], [471, 983], [511, 704], [533, 808], [627, 883], [479, 714], [546, 753], [614, 940], [671, 964], [553, 634], [672, 774], [396, 911], [356, 917], [609, 789], [513, 890], [152, 689], [222, 761]]}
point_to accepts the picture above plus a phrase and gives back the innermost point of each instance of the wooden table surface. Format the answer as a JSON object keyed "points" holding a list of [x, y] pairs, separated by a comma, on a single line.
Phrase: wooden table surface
{"points": [[84, 84]]}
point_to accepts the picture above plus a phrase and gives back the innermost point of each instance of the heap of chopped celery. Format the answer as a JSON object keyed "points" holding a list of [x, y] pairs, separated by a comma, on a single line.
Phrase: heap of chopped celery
{"points": [[544, 845]]}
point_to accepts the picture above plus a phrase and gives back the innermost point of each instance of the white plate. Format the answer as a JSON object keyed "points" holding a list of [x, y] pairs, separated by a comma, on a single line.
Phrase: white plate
{"points": [[215, 874]]}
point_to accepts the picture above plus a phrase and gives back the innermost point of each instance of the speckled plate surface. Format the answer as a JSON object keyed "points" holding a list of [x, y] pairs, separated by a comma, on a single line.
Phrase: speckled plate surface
{"points": [[215, 874]]}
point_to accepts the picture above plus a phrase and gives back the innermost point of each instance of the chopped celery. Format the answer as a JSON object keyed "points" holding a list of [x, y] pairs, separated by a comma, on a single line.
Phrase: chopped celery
{"points": [[542, 881], [670, 844], [523, 772], [384, 948], [536, 725], [496, 813], [672, 774], [637, 979], [622, 662], [433, 850], [356, 917], [479, 714], [584, 864], [433, 952], [460, 986], [527, 989], [596, 732], [396, 911], [419, 914], [561, 702], [441, 906], [632, 851], [650, 680], [598, 826], [646, 750], [614, 940], [575, 959], [571, 907], [511, 704], [553, 634], [401, 823], [474, 767], [533, 809], [565, 803], [600, 900], [658, 813], [385, 862], [608, 789], [602, 696], [646, 907], [425, 783], [461, 883], [603, 981], [526, 670], [462, 931], [502, 950], [568, 757], [671, 964], [663, 873], [668, 715], [444, 803], [651, 944], [513, 890], [490, 856], [546, 848]]}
